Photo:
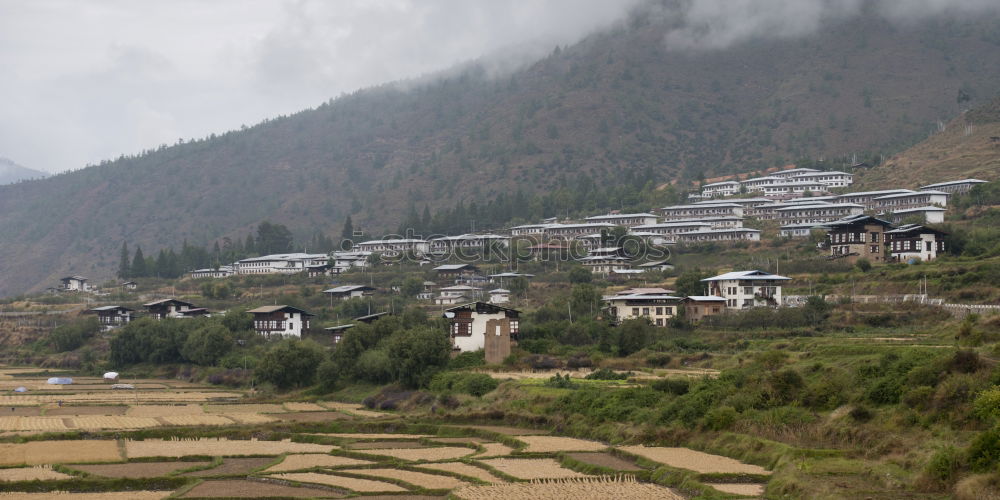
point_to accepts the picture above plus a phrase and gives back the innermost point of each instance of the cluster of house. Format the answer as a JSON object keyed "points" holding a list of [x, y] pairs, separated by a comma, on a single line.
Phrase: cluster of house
{"points": [[81, 284], [114, 316], [783, 184]]}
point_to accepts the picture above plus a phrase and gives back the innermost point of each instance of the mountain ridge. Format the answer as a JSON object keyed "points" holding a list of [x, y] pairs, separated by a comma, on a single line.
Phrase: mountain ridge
{"points": [[11, 172], [615, 105]]}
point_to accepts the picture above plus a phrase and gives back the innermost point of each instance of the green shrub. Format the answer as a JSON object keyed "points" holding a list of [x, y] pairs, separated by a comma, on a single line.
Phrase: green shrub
{"points": [[467, 360], [71, 336], [919, 398], [476, 384], [560, 382], [721, 418], [658, 359], [606, 374], [984, 452], [675, 386], [987, 403], [943, 465]]}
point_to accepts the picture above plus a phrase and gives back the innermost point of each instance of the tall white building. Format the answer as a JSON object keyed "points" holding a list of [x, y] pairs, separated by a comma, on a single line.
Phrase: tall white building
{"points": [[746, 289]]}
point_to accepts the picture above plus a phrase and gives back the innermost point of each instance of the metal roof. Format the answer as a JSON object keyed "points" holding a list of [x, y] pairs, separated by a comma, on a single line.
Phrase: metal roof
{"points": [[746, 275]]}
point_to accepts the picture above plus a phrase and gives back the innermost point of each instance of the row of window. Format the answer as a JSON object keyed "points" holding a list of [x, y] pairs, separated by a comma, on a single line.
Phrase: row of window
{"points": [[660, 311]]}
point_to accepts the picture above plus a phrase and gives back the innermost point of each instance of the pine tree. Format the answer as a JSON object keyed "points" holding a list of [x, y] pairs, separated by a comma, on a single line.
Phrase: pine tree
{"points": [[139, 264], [124, 265], [249, 248], [347, 234]]}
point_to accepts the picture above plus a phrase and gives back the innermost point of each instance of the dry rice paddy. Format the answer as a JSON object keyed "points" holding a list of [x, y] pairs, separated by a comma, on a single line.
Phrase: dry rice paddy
{"points": [[308, 461], [239, 488], [586, 489], [9, 424], [500, 429], [748, 489], [605, 460], [136, 469], [217, 447], [58, 452], [546, 444], [350, 483], [495, 450], [375, 435], [248, 408], [532, 468], [196, 420], [428, 454], [464, 470], [104, 495], [114, 422], [233, 466], [685, 458], [42, 473], [421, 479], [304, 407], [250, 418], [164, 410]]}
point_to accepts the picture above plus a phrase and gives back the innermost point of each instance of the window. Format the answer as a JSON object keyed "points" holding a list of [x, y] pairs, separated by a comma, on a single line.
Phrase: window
{"points": [[659, 322], [645, 311], [927, 246], [670, 310], [659, 311], [874, 249], [874, 237], [635, 311], [748, 290]]}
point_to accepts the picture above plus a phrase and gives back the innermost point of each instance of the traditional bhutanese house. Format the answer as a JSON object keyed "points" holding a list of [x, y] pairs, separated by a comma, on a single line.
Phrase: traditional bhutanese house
{"points": [[345, 292], [605, 260], [623, 275], [670, 229], [626, 220], [738, 234], [798, 230], [748, 204], [451, 295], [281, 263], [111, 316], [317, 270], [211, 272], [831, 178], [346, 261], [857, 237], [929, 215], [954, 187], [129, 285], [428, 290], [167, 308], [75, 284], [699, 210], [195, 312], [745, 289], [658, 305], [528, 230], [721, 222], [914, 242], [657, 265], [281, 320], [499, 296], [717, 189], [479, 325], [455, 271], [468, 244], [697, 307], [337, 332], [550, 250]]}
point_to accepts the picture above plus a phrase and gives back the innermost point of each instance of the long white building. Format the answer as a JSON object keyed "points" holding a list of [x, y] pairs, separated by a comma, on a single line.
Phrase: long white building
{"points": [[400, 245], [286, 263], [627, 220], [699, 210]]}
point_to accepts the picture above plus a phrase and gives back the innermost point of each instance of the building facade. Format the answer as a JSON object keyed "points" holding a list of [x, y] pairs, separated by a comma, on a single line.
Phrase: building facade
{"points": [[286, 321], [746, 289]]}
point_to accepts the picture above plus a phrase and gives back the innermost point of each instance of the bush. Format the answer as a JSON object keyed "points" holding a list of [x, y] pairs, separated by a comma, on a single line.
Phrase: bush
{"points": [[943, 465], [984, 452], [579, 361], [542, 362], [467, 360], [475, 384], [71, 336], [675, 386], [860, 414], [658, 359], [864, 265], [560, 382], [374, 366], [291, 363], [987, 403], [417, 354], [606, 374], [721, 418]]}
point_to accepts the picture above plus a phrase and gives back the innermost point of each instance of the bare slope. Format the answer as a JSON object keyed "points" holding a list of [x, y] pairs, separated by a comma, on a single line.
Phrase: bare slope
{"points": [[616, 105]]}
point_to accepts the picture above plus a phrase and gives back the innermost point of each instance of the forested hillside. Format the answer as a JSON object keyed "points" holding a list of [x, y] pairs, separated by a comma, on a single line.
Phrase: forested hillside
{"points": [[618, 108], [11, 172]]}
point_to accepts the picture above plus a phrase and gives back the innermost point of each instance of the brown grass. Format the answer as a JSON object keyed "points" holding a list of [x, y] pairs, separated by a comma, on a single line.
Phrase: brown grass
{"points": [[104, 495], [428, 454], [232, 466], [304, 407], [546, 444], [106, 422], [374, 445], [238, 488], [704, 463], [747, 489], [421, 479], [194, 420], [577, 489], [136, 469], [605, 460], [308, 461], [247, 408], [250, 418], [75, 411], [510, 431], [350, 483], [373, 435], [217, 447], [58, 452], [495, 450], [42, 473], [13, 424], [532, 468], [465, 470]]}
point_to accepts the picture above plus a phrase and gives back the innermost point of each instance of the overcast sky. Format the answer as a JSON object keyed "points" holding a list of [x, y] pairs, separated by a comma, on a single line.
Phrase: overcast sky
{"points": [[84, 80]]}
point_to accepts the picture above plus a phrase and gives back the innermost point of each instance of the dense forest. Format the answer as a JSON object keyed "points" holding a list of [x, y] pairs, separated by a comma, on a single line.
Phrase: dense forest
{"points": [[617, 109]]}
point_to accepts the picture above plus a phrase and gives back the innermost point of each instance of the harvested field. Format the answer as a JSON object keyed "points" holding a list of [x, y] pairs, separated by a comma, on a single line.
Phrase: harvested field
{"points": [[532, 468], [20, 411], [164, 410], [239, 488], [374, 445], [136, 469], [104, 495], [428, 454], [32, 424], [421, 479], [85, 410], [250, 418], [685, 458], [367, 413], [451, 440], [59, 452], [42, 473], [358, 435], [114, 422], [248, 408], [232, 467], [312, 416], [546, 444], [195, 420], [605, 460], [304, 407], [748, 489], [500, 429], [495, 450], [353, 409], [123, 397], [217, 448], [308, 461], [587, 489], [465, 470], [350, 483]]}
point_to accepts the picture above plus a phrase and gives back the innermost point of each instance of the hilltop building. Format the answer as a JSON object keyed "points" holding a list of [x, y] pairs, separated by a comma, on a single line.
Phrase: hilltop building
{"points": [[658, 305], [746, 289], [914, 242], [281, 320]]}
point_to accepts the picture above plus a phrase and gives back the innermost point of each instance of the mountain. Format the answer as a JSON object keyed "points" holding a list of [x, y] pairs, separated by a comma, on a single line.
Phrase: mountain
{"points": [[619, 106], [11, 172], [967, 146]]}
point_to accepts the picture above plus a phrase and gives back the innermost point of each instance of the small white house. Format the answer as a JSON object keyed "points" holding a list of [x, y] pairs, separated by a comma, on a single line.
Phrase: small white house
{"points": [[914, 242], [499, 296], [451, 295], [346, 292], [471, 323], [281, 320], [746, 289], [724, 188], [75, 284]]}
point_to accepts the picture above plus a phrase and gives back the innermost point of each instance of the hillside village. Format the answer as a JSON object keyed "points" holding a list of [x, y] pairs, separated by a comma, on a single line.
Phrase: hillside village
{"points": [[870, 227]]}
